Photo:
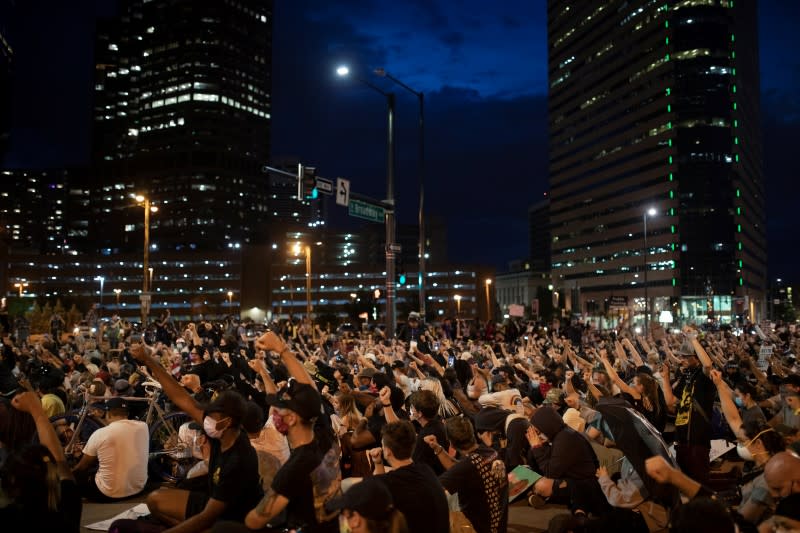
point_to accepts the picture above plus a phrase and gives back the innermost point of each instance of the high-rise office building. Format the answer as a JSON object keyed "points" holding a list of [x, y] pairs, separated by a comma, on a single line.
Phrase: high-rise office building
{"points": [[182, 115], [655, 105], [33, 210], [539, 233]]}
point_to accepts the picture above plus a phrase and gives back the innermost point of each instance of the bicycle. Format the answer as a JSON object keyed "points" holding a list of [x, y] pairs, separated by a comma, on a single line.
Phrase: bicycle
{"points": [[169, 458]]}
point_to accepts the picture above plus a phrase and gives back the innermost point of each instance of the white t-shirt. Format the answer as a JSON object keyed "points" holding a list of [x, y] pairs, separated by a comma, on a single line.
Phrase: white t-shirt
{"points": [[122, 449]]}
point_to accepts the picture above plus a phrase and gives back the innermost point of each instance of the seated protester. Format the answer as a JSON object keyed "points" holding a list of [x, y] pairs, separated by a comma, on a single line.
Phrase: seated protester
{"points": [[784, 413], [628, 493], [39, 488], [503, 396], [782, 474], [505, 431], [644, 393], [568, 463], [478, 477], [757, 444], [119, 451], [368, 507], [233, 483], [415, 489], [425, 417], [745, 400], [310, 477]]}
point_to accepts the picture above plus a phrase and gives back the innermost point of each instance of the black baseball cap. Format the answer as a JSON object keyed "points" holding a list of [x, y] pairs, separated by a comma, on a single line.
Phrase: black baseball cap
{"points": [[230, 403], [9, 386], [301, 398], [370, 498], [115, 403]]}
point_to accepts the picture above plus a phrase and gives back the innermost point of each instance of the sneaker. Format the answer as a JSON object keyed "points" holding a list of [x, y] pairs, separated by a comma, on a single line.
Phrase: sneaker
{"points": [[536, 501]]}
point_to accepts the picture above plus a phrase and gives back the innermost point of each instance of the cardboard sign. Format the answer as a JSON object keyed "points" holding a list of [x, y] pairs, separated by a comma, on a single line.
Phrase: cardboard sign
{"points": [[657, 330], [516, 310]]}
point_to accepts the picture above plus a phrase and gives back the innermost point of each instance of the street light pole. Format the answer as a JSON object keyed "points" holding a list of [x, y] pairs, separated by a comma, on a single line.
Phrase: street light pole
{"points": [[117, 292], [458, 304], [391, 323], [421, 215], [307, 251], [488, 301], [651, 212], [101, 279], [146, 271]]}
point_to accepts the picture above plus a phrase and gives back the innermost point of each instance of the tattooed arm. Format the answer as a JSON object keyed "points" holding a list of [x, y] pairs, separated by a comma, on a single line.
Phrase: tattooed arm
{"points": [[267, 509]]}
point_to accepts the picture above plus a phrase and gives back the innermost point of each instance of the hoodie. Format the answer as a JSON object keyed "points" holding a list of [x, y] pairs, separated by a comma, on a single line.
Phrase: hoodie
{"points": [[567, 454]]}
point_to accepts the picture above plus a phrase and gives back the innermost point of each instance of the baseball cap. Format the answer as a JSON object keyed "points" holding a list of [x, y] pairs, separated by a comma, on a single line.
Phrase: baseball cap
{"points": [[398, 364], [9, 386], [367, 372], [413, 315], [230, 403], [465, 356], [301, 398], [370, 498], [122, 387], [115, 403]]}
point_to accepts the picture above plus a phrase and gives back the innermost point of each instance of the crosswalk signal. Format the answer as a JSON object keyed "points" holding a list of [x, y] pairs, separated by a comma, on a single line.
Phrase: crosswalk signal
{"points": [[401, 276], [306, 183]]}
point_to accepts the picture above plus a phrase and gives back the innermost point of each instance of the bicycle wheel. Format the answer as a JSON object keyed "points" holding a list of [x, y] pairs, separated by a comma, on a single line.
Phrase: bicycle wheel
{"points": [[170, 459], [65, 427]]}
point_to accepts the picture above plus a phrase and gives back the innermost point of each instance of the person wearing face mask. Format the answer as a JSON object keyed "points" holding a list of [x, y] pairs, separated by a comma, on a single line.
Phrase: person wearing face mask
{"points": [[233, 480], [757, 443], [119, 451], [744, 398], [310, 477]]}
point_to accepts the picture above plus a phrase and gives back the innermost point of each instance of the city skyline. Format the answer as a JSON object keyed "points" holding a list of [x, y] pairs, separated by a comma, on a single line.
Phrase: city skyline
{"points": [[485, 87]]}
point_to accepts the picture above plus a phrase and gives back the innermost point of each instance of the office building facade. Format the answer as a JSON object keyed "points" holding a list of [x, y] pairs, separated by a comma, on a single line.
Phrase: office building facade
{"points": [[182, 113], [655, 105]]}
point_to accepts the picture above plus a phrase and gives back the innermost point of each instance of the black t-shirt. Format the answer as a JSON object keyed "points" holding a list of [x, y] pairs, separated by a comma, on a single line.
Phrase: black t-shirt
{"points": [[308, 479], [478, 504], [67, 518], [419, 495], [424, 453], [696, 393], [233, 477]]}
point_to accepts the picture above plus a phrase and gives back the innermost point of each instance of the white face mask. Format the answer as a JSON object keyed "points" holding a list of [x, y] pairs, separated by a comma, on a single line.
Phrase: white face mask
{"points": [[744, 452], [210, 427]]}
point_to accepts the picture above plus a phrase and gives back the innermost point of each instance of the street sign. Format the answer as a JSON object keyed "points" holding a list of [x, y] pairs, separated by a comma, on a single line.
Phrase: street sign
{"points": [[324, 186], [343, 192], [367, 211]]}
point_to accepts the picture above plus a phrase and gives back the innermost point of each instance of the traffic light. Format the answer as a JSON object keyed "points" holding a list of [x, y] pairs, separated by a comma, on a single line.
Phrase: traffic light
{"points": [[401, 275], [306, 183]]}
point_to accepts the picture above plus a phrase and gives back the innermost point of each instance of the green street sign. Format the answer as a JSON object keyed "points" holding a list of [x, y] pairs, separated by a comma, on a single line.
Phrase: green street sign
{"points": [[367, 211]]}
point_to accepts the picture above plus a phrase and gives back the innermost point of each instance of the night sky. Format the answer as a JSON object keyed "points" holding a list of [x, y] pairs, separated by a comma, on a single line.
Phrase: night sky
{"points": [[483, 68]]}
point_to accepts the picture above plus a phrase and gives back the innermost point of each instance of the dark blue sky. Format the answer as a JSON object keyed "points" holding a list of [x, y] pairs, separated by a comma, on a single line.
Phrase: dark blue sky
{"points": [[482, 66]]}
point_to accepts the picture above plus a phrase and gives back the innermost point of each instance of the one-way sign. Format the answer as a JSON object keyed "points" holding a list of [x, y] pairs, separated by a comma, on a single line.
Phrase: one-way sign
{"points": [[324, 186], [342, 191]]}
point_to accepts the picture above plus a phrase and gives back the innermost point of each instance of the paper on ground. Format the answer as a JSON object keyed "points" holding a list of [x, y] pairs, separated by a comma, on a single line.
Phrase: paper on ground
{"points": [[133, 513]]}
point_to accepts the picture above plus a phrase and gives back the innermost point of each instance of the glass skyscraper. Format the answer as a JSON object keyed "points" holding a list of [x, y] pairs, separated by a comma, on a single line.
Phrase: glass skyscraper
{"points": [[182, 115], [654, 104]]}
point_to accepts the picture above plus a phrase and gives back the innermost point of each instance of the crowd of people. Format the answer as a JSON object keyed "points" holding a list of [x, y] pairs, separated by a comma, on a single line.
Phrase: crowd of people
{"points": [[297, 428]]}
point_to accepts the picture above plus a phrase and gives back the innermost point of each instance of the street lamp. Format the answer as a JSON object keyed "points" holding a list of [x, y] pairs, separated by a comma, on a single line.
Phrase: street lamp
{"points": [[458, 304], [297, 248], [21, 286], [102, 280], [650, 212], [421, 215], [117, 292], [488, 302], [230, 302], [344, 71], [147, 272]]}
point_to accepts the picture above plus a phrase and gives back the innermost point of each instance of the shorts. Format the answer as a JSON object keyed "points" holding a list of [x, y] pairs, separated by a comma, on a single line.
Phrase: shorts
{"points": [[196, 503]]}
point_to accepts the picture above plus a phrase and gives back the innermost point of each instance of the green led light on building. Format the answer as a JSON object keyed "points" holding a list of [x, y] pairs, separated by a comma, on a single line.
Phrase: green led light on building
{"points": [[738, 210], [666, 57], [669, 125], [736, 140], [735, 123], [738, 228], [734, 89], [741, 263], [669, 91], [674, 282], [672, 228], [666, 41], [670, 160], [672, 246], [741, 281], [671, 195], [672, 211], [737, 158], [669, 142], [739, 245], [733, 71], [671, 176], [738, 193], [669, 108], [666, 24], [734, 106]]}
